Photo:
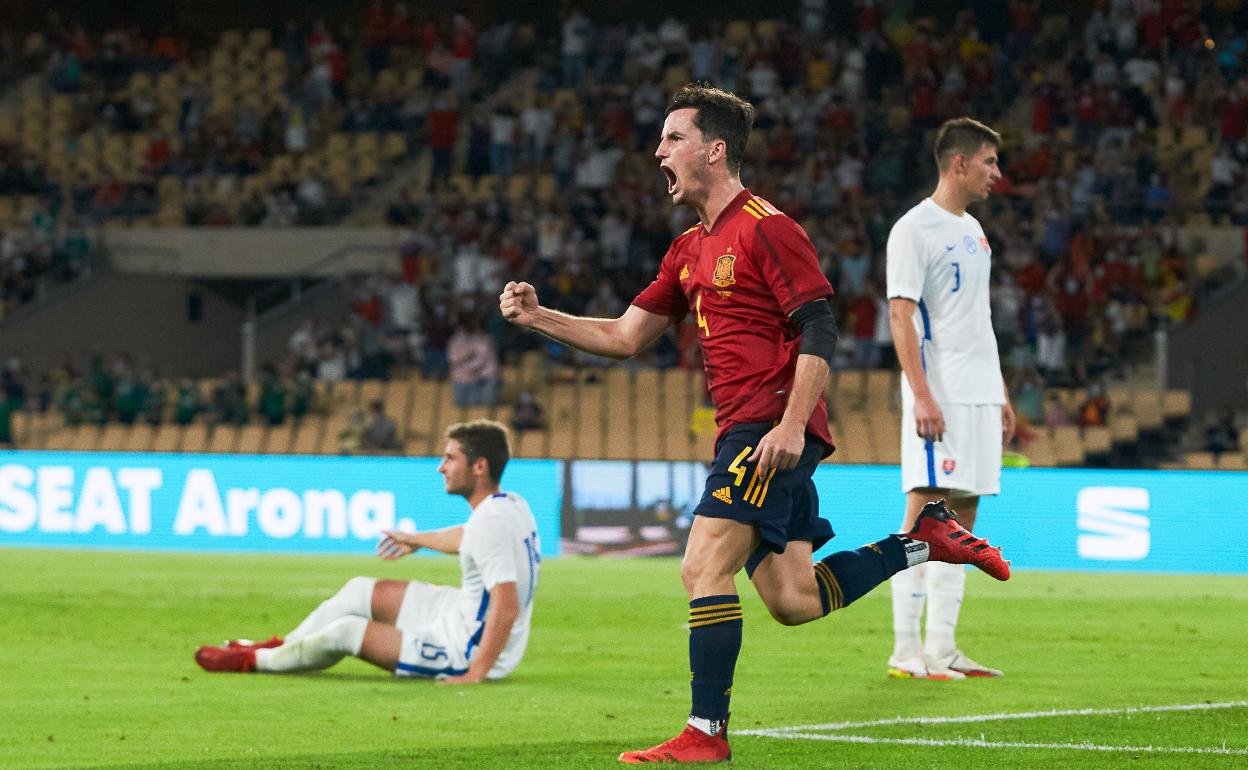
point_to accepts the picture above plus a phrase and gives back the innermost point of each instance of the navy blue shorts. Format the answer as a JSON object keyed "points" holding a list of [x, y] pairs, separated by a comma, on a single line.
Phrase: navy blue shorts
{"points": [[782, 507]]}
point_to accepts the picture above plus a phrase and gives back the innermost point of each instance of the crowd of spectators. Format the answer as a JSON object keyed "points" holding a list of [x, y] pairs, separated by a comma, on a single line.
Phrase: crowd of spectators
{"points": [[1095, 113], [311, 82], [42, 254], [540, 149]]}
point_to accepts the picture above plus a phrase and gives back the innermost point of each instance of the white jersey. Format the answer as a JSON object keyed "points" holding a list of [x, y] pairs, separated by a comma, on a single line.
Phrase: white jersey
{"points": [[943, 262], [499, 545]]}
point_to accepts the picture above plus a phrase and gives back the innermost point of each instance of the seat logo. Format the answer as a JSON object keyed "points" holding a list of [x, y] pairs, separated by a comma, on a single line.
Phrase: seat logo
{"points": [[1112, 523]]}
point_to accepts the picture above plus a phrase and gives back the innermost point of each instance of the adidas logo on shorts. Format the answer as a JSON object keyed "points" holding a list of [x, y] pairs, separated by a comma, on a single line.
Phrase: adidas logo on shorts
{"points": [[723, 494]]}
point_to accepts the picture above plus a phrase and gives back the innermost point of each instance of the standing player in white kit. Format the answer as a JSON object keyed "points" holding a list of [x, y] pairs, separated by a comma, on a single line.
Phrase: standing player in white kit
{"points": [[457, 635], [956, 414]]}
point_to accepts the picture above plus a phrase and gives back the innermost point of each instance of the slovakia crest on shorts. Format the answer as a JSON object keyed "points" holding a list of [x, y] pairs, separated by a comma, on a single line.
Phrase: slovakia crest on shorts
{"points": [[969, 243], [724, 273], [983, 243], [948, 465]]}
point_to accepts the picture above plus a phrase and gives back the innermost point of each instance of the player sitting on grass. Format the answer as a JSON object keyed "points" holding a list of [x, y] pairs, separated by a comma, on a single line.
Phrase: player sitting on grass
{"points": [[458, 635]]}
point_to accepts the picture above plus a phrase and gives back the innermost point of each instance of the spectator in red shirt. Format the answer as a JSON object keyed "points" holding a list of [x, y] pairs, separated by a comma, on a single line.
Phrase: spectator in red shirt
{"points": [[443, 130], [863, 308]]}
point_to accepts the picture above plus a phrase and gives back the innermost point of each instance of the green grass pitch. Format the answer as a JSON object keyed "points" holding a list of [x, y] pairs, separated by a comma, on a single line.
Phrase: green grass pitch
{"points": [[96, 671]]}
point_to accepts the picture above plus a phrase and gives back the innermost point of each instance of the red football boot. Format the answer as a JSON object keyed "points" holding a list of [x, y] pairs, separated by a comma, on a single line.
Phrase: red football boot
{"points": [[949, 542], [271, 642], [241, 659], [692, 745]]}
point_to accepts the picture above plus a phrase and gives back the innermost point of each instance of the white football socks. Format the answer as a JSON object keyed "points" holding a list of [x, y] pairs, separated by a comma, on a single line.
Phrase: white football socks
{"points": [[711, 727], [946, 584], [355, 599], [317, 650], [909, 591]]}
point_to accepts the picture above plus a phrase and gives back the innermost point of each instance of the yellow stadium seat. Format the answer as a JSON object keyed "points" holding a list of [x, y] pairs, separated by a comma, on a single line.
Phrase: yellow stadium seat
{"points": [[1177, 405], [1200, 461], [1233, 461], [251, 439], [366, 144], [395, 145], [530, 443], [84, 438], [1041, 453], [280, 438], [168, 438], [259, 39], [1097, 441], [737, 33], [223, 439], [546, 188], [139, 438], [619, 414], [397, 402], [231, 40], [1147, 407], [561, 417], [1067, 446]]}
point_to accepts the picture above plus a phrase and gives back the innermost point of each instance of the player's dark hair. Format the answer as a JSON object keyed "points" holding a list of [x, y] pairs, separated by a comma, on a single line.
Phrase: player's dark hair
{"points": [[962, 136], [721, 115], [483, 438]]}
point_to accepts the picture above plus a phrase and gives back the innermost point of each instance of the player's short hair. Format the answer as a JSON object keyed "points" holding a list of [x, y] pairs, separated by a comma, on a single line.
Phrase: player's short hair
{"points": [[721, 115], [962, 136], [483, 438]]}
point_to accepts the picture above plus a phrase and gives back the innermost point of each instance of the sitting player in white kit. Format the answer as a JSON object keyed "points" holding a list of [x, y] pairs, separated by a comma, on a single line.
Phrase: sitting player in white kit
{"points": [[415, 629]]}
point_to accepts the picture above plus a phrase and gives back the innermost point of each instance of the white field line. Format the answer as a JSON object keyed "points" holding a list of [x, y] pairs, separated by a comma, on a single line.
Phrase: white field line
{"points": [[981, 743], [996, 717], [805, 732]]}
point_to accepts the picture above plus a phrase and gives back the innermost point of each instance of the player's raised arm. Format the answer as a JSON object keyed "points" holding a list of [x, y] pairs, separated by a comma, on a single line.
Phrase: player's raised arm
{"points": [[619, 338], [396, 545]]}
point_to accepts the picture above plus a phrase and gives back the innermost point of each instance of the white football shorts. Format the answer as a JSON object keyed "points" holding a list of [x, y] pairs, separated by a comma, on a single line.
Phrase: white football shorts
{"points": [[434, 641], [966, 461]]}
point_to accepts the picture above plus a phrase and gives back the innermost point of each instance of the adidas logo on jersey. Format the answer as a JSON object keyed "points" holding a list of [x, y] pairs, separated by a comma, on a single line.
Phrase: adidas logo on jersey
{"points": [[723, 494]]}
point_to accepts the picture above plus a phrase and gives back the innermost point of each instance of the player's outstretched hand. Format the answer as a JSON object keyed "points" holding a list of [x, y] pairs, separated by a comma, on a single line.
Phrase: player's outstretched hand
{"points": [[780, 448], [518, 303], [396, 545], [462, 679]]}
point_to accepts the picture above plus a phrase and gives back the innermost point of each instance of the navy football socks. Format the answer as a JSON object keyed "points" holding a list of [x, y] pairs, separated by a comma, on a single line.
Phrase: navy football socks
{"points": [[847, 575], [714, 641]]}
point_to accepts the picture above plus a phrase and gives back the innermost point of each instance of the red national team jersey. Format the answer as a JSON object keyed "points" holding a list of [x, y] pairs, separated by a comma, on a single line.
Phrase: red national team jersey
{"points": [[741, 279]]}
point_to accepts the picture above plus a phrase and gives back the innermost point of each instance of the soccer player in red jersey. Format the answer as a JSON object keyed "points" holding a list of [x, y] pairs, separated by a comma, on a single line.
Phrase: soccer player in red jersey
{"points": [[751, 278]]}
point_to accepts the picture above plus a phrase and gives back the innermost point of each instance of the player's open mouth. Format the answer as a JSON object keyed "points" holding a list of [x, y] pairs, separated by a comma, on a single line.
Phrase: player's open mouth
{"points": [[671, 179]]}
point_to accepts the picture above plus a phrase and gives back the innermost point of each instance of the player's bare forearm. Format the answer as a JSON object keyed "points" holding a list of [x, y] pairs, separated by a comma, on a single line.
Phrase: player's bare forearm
{"points": [[504, 609], [906, 344], [600, 336], [396, 544], [443, 540], [809, 380], [619, 338]]}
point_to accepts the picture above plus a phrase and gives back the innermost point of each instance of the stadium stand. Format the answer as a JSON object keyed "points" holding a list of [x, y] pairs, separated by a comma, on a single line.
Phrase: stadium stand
{"points": [[502, 161]]}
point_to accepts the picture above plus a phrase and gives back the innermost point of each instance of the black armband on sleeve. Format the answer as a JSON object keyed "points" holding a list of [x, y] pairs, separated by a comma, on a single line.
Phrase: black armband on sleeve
{"points": [[818, 328]]}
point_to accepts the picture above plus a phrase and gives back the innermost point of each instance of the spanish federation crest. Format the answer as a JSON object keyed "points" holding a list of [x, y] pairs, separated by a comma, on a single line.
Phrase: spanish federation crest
{"points": [[724, 275]]}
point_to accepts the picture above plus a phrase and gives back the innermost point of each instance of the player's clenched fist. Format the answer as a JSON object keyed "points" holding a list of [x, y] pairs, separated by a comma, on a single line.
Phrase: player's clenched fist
{"points": [[518, 302]]}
